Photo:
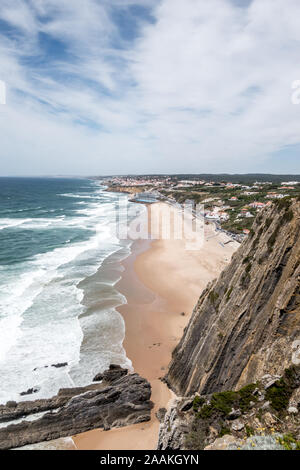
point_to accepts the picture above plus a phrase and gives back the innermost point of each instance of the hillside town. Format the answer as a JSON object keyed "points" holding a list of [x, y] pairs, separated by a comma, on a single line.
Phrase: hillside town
{"points": [[232, 206]]}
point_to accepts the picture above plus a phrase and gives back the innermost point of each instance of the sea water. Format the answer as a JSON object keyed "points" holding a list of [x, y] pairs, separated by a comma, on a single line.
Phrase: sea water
{"points": [[60, 260]]}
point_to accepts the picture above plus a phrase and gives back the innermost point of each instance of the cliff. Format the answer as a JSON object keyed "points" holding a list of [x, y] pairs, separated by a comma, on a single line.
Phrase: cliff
{"points": [[126, 189], [237, 367], [246, 324]]}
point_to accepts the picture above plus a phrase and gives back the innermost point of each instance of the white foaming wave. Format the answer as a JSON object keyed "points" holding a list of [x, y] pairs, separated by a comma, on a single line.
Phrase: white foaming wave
{"points": [[17, 297], [8, 223], [9, 333], [56, 266], [91, 212], [80, 196], [43, 223], [94, 209]]}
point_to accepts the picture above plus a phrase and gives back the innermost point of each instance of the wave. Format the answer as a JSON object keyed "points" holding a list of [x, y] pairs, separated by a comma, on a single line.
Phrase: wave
{"points": [[40, 312], [10, 223], [78, 196]]}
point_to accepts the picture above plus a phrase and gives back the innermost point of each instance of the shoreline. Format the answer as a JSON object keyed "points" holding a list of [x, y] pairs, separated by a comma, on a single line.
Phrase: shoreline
{"points": [[161, 281]]}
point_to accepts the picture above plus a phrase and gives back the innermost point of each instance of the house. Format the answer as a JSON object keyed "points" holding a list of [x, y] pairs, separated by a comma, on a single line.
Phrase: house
{"points": [[224, 216], [257, 205], [212, 216]]}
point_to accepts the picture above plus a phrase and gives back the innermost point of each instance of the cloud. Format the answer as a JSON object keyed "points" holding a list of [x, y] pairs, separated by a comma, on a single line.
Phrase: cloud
{"points": [[153, 86]]}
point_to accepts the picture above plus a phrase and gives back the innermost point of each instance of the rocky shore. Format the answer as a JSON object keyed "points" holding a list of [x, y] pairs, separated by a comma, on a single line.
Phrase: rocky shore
{"points": [[119, 400]]}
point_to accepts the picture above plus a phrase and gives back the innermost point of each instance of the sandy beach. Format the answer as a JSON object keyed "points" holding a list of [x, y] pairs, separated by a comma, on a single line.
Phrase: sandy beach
{"points": [[162, 281]]}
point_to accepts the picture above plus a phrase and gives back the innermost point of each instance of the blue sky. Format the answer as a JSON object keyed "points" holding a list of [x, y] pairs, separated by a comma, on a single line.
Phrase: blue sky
{"points": [[149, 86]]}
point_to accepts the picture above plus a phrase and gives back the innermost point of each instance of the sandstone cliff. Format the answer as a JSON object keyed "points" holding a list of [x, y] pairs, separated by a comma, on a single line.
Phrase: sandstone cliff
{"points": [[246, 324]]}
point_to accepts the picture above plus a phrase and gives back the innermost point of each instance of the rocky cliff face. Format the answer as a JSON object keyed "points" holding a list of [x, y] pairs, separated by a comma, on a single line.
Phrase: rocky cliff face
{"points": [[261, 415], [246, 324]]}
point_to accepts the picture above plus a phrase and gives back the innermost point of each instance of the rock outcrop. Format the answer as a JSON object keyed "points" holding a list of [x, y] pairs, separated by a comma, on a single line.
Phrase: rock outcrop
{"points": [[246, 324], [232, 419], [113, 373], [13, 410], [123, 401]]}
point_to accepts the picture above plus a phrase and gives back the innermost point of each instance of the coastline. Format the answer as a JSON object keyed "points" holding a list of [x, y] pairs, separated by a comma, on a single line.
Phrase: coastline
{"points": [[161, 281]]}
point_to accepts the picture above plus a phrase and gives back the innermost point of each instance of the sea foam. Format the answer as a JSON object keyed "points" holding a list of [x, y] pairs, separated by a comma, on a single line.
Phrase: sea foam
{"points": [[43, 318]]}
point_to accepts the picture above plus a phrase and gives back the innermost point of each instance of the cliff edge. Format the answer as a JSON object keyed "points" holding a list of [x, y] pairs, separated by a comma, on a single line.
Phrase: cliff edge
{"points": [[246, 324], [236, 370]]}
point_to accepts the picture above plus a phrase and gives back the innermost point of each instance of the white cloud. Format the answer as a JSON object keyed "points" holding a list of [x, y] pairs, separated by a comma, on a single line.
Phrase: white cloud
{"points": [[206, 87]]}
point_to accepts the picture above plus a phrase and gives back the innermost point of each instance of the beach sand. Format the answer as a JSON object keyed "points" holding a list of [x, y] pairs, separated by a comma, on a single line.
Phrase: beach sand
{"points": [[162, 282]]}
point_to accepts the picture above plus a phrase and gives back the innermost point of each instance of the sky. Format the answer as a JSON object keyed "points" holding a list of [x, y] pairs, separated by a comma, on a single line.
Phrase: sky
{"points": [[99, 87]]}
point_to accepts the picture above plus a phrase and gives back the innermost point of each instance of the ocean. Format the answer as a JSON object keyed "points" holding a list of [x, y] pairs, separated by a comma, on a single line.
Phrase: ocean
{"points": [[59, 264]]}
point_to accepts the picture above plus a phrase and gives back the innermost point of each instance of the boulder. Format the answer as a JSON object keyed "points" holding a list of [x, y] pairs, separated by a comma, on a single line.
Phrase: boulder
{"points": [[59, 364], [160, 414], [30, 391], [222, 443], [237, 425], [112, 374], [234, 414], [269, 420], [268, 380]]}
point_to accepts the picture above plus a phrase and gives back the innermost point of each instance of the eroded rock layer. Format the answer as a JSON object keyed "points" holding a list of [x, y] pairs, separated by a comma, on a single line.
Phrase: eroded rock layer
{"points": [[123, 401], [246, 324]]}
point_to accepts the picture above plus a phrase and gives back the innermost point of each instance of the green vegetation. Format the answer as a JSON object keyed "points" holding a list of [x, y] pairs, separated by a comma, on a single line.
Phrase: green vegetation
{"points": [[235, 199], [198, 402], [279, 394], [214, 412], [223, 431], [213, 296], [249, 430], [205, 412], [223, 402], [288, 216], [283, 203], [289, 442], [248, 268], [247, 396]]}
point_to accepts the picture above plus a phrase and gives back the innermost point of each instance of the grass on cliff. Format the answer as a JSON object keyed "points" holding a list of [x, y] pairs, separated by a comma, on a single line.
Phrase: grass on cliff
{"points": [[279, 394], [223, 402]]}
